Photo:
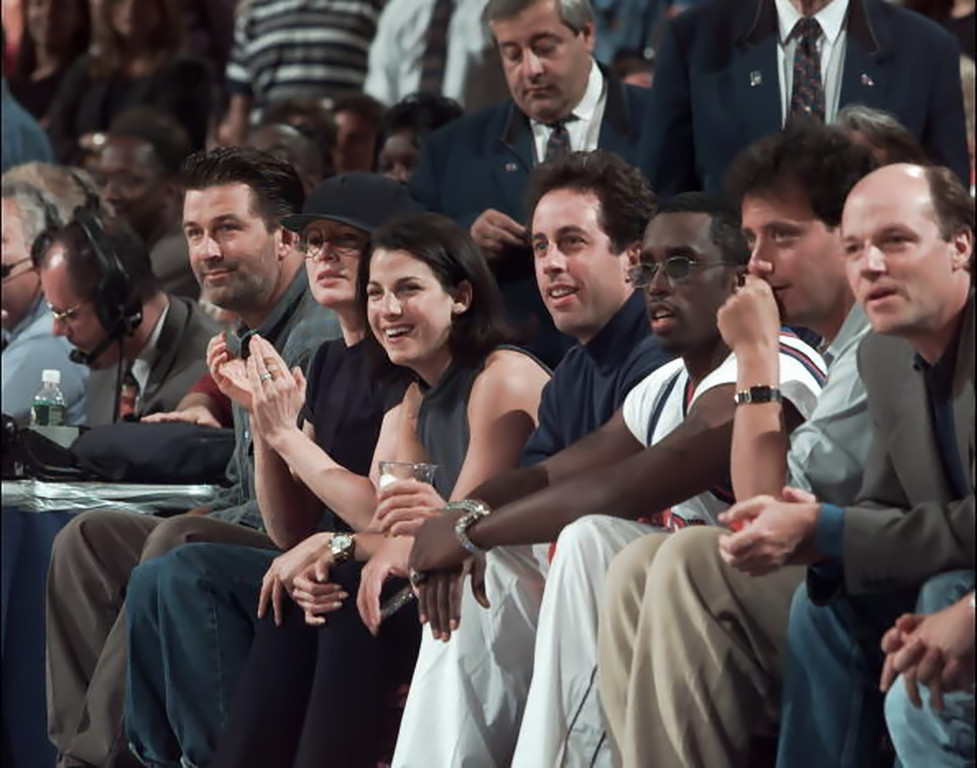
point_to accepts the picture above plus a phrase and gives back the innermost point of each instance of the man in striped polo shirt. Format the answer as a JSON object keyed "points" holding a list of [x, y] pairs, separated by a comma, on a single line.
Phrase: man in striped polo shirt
{"points": [[295, 49]]}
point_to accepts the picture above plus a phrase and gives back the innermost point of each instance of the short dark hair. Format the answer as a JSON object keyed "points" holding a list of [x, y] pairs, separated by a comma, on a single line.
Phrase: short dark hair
{"points": [[724, 222], [169, 140], [420, 113], [84, 269], [953, 207], [820, 160], [453, 257], [312, 119], [884, 133], [275, 185], [361, 104], [626, 201]]}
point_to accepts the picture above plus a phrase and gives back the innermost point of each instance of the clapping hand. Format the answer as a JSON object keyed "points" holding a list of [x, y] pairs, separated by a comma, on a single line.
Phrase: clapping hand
{"points": [[229, 373], [277, 394]]}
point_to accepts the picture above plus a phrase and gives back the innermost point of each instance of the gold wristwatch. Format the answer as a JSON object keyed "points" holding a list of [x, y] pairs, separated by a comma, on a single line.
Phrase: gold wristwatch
{"points": [[341, 547]]}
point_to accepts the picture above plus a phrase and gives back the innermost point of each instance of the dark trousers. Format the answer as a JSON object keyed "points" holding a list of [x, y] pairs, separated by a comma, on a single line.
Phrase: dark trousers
{"points": [[91, 562], [191, 620], [312, 697]]}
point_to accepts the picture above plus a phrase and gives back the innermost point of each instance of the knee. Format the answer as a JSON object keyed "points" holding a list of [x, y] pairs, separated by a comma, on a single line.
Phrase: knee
{"points": [[806, 619], [172, 533], [582, 536], [944, 590], [142, 586], [687, 556], [904, 721], [628, 571], [897, 708], [81, 534]]}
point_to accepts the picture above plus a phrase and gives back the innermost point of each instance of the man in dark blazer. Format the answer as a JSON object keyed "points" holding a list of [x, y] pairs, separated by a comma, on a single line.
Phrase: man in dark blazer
{"points": [[475, 169], [908, 233], [165, 353], [724, 79]]}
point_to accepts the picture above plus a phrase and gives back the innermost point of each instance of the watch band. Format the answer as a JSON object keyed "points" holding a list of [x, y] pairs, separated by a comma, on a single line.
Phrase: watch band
{"points": [[763, 393], [474, 510], [342, 546]]}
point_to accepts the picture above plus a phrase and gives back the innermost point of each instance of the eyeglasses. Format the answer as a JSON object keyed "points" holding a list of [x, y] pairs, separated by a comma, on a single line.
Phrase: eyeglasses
{"points": [[6, 269], [65, 315], [316, 244], [677, 269]]}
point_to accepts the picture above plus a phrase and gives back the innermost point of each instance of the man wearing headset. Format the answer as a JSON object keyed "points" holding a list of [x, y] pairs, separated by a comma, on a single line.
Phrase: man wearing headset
{"points": [[29, 346], [145, 348]]}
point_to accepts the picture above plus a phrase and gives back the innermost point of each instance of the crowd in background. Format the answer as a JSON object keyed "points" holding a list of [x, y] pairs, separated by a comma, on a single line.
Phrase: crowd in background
{"points": [[518, 239]]}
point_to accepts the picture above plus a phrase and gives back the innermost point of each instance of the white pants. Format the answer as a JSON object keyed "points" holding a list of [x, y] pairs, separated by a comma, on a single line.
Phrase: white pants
{"points": [[467, 695], [563, 726]]}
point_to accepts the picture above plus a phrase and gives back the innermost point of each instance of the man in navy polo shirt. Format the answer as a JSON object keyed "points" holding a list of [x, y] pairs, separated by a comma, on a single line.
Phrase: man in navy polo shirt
{"points": [[602, 205]]}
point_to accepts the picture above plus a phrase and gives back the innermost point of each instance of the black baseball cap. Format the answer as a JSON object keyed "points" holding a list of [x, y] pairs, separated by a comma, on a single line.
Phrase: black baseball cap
{"points": [[366, 201]]}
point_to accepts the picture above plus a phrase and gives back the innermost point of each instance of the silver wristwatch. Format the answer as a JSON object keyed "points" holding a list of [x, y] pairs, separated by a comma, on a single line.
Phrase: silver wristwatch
{"points": [[474, 511], [341, 547]]}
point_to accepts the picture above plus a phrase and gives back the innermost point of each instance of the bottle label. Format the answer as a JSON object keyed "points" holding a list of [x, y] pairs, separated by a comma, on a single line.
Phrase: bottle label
{"points": [[47, 415]]}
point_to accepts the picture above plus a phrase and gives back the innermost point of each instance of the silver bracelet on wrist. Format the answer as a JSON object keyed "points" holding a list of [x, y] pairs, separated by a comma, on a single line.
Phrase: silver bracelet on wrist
{"points": [[474, 511]]}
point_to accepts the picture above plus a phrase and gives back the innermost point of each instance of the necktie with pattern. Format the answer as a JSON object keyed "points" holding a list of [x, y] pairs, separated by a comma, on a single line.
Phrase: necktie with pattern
{"points": [[128, 395], [558, 144], [807, 92], [436, 47]]}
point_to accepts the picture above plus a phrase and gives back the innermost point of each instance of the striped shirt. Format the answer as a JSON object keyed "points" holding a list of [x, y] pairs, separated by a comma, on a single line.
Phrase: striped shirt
{"points": [[288, 49]]}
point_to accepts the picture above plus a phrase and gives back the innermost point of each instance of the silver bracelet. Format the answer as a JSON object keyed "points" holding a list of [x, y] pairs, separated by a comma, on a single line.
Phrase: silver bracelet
{"points": [[474, 510]]}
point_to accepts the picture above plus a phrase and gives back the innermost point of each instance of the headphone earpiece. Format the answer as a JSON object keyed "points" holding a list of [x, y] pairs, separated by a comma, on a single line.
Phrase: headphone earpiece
{"points": [[117, 306]]}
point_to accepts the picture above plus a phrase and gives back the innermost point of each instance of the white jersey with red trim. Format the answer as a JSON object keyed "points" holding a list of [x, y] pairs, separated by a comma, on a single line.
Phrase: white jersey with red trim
{"points": [[658, 404]]}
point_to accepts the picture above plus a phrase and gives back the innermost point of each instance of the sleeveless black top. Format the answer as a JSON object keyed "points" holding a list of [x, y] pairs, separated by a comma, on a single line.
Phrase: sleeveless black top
{"points": [[442, 422]]}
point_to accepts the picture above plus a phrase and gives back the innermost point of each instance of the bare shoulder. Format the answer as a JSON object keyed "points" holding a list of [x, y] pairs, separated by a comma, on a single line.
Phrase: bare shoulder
{"points": [[509, 374]]}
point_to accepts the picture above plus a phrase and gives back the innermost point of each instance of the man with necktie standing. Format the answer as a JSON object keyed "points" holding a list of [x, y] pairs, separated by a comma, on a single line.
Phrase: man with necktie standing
{"points": [[475, 169], [733, 71]]}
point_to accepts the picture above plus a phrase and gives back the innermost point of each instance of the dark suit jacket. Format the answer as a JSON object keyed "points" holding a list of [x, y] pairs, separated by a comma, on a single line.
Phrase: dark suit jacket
{"points": [[703, 108], [181, 361], [907, 526], [484, 160]]}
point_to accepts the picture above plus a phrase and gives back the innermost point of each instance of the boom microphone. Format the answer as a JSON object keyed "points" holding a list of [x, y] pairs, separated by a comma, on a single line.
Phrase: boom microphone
{"points": [[87, 358]]}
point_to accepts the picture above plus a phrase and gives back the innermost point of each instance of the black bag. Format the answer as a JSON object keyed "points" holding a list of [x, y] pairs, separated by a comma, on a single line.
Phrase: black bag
{"points": [[167, 453], [30, 455]]}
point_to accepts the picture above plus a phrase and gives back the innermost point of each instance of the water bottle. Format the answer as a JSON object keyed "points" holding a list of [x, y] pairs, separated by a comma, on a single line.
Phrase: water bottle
{"points": [[48, 408]]}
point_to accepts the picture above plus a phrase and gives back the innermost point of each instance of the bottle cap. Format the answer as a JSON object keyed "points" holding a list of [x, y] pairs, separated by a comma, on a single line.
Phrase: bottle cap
{"points": [[51, 376]]}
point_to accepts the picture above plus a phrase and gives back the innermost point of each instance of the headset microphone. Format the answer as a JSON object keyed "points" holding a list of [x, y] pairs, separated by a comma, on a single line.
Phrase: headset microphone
{"points": [[87, 358]]}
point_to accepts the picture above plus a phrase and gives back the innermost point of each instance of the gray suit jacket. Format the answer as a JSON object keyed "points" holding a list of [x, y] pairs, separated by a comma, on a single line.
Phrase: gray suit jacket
{"points": [[906, 525], [181, 361]]}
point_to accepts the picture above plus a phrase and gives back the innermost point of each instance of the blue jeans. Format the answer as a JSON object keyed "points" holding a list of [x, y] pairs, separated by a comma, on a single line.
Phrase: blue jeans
{"points": [[191, 617], [925, 738], [832, 712]]}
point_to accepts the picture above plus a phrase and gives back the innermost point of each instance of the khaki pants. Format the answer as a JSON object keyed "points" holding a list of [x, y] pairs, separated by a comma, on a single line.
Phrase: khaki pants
{"points": [[689, 651], [91, 561]]}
